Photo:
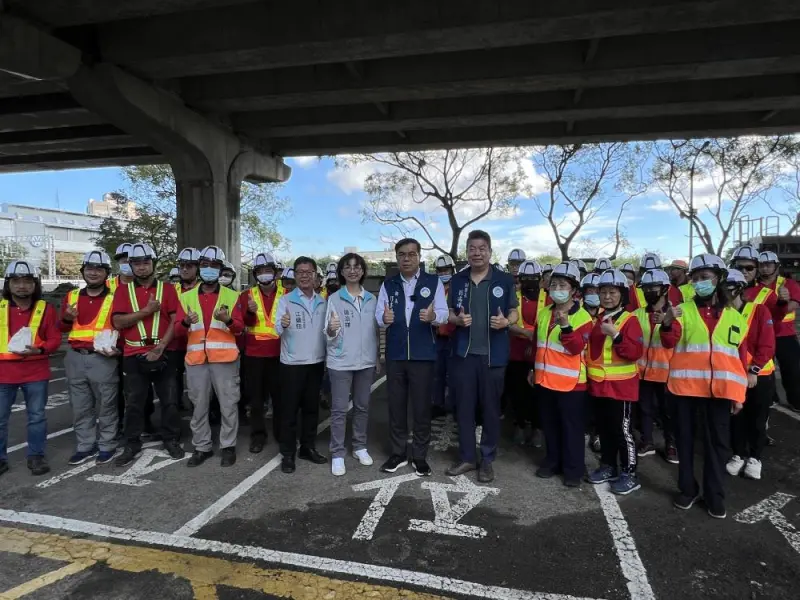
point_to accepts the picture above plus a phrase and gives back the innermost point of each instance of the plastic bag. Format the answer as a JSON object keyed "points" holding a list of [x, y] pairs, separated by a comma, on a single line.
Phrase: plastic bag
{"points": [[20, 341], [106, 340]]}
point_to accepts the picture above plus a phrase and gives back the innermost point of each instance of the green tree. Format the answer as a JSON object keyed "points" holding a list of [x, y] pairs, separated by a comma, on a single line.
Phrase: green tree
{"points": [[68, 264], [10, 249]]}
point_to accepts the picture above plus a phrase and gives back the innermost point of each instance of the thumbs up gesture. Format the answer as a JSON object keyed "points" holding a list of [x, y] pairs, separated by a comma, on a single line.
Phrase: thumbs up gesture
{"points": [[192, 317], [71, 312], [388, 314], [463, 319], [222, 314], [672, 313], [608, 328], [286, 319], [783, 294], [252, 307], [498, 321], [427, 315], [334, 323], [562, 319], [153, 305]]}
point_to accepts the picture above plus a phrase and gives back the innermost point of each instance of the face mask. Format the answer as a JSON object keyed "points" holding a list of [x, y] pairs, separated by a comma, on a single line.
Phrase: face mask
{"points": [[226, 280], [591, 300], [530, 291], [445, 278], [652, 297], [125, 269], [560, 296], [209, 274], [704, 288], [265, 278]]}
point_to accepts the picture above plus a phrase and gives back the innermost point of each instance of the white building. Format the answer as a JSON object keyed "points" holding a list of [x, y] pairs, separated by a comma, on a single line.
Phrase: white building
{"points": [[372, 255], [112, 205]]}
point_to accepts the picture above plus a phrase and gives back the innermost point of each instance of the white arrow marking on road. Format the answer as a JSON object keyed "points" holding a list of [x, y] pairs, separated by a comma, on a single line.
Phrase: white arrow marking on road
{"points": [[141, 467], [53, 401], [447, 516], [386, 490], [770, 509]]}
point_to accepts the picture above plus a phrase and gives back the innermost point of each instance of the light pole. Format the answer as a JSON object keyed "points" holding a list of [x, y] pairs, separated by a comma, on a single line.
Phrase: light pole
{"points": [[691, 196]]}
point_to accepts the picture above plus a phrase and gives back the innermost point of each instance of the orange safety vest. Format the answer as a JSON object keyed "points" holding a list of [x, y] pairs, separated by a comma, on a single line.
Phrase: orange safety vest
{"points": [[264, 329], [219, 344], [609, 366], [102, 320], [707, 364], [748, 312], [555, 369], [654, 364], [34, 324]]}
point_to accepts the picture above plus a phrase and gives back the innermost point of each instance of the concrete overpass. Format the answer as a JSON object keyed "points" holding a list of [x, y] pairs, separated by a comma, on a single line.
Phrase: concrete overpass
{"points": [[222, 89]]}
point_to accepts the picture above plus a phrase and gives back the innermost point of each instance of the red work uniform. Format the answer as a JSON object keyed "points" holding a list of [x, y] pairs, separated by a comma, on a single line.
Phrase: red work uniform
{"points": [[521, 347], [761, 336], [88, 307], [629, 347], [27, 369], [574, 340], [179, 343], [208, 302], [778, 308], [122, 306], [254, 347]]}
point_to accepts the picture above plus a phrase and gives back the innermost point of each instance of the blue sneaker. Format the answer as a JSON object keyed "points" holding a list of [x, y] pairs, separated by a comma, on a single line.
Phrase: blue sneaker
{"points": [[627, 483], [105, 456], [602, 474], [81, 457]]}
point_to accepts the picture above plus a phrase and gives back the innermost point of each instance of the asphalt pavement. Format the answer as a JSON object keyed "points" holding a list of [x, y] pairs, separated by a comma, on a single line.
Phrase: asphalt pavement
{"points": [[158, 529]]}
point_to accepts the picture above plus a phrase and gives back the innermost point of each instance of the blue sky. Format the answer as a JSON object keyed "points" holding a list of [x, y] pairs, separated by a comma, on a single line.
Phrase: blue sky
{"points": [[326, 202]]}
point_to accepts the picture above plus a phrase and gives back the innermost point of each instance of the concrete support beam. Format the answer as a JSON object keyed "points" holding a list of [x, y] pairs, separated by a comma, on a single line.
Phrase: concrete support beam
{"points": [[32, 54]]}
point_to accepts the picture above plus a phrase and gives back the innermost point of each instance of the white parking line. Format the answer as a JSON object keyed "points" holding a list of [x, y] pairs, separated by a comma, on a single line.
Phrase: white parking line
{"points": [[50, 436], [787, 411], [200, 521], [403, 577], [57, 379]]}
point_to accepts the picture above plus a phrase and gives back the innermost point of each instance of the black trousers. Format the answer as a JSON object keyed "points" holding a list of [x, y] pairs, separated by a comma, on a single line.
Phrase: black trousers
{"points": [[263, 379], [787, 351], [654, 399], [300, 386], [616, 438], [477, 385], [521, 394], [180, 371], [715, 419], [563, 422], [139, 383], [749, 427], [410, 381]]}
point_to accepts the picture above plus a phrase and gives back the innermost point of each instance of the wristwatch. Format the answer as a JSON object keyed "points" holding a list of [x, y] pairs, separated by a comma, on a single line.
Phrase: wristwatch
{"points": [[755, 370]]}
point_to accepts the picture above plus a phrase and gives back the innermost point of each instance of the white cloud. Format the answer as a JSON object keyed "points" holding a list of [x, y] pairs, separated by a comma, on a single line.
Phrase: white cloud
{"points": [[304, 162], [661, 206]]}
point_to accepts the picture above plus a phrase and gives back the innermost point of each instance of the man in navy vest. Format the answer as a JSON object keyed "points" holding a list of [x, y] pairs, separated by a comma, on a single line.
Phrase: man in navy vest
{"points": [[409, 305], [483, 303]]}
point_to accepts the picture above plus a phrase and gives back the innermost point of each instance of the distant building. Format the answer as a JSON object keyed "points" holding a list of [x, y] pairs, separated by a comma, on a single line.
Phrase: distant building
{"points": [[112, 205], [373, 255]]}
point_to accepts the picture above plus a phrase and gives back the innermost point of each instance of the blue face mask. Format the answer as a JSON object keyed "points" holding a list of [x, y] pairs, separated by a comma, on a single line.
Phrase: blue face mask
{"points": [[445, 278], [125, 269], [560, 296], [209, 274], [704, 288], [591, 300]]}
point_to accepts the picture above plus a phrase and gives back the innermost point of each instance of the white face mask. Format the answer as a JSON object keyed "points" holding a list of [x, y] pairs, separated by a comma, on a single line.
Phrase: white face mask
{"points": [[265, 278], [125, 269], [225, 280]]}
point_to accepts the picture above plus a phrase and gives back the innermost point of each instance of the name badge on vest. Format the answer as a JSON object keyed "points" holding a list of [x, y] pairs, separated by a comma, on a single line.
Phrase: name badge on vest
{"points": [[497, 292]]}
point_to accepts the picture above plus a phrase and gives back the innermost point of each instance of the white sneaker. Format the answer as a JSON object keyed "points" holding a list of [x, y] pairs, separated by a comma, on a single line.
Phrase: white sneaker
{"points": [[735, 464], [337, 467], [752, 470], [363, 457]]}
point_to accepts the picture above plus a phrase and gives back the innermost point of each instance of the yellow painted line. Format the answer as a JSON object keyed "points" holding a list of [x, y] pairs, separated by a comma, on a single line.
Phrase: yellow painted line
{"points": [[204, 573], [50, 578]]}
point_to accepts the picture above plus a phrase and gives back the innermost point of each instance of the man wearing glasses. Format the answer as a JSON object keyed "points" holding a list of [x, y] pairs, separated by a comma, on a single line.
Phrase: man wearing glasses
{"points": [[409, 305]]}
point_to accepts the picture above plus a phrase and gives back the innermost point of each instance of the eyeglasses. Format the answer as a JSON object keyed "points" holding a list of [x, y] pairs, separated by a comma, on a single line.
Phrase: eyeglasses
{"points": [[747, 268], [411, 255]]}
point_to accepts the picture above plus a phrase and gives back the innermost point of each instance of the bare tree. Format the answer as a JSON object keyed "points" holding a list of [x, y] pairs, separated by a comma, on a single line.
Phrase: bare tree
{"points": [[735, 174], [787, 205], [409, 191]]}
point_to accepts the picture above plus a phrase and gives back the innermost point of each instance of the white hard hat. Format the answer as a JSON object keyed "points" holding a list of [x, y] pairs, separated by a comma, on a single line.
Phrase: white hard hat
{"points": [[122, 250], [331, 276], [265, 259], [212, 253], [96, 258], [530, 268], [654, 277], [735, 276], [567, 270], [516, 255], [332, 266], [602, 264], [650, 261], [174, 272], [746, 252], [189, 255], [591, 280], [278, 264], [768, 257], [21, 268], [547, 268], [141, 250], [579, 263], [288, 274], [627, 267], [227, 265], [613, 277], [706, 261], [445, 261]]}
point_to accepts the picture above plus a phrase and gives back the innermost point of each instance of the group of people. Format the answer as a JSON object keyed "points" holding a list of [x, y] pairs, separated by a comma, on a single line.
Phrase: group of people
{"points": [[566, 351]]}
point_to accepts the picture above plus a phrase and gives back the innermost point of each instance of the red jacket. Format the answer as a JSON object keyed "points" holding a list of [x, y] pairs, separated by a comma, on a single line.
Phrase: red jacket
{"points": [[519, 345], [122, 305], [27, 369], [629, 347], [761, 336], [778, 308], [252, 346]]}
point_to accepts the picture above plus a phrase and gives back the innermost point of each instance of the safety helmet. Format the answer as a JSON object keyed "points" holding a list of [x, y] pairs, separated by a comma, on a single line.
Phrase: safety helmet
{"points": [[679, 264], [332, 266], [174, 272], [627, 268], [746, 252], [213, 254], [580, 264], [141, 250], [735, 277], [122, 250], [96, 258], [768, 257], [567, 270], [650, 261], [21, 268], [189, 255], [228, 266], [516, 255], [602, 264], [613, 277], [288, 274], [445, 261], [591, 280], [530, 268], [706, 261], [547, 268], [265, 259], [654, 277], [331, 276], [279, 266]]}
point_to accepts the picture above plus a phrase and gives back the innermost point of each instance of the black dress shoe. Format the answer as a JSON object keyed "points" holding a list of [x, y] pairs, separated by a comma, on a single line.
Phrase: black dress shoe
{"points": [[3, 466], [257, 444], [38, 465], [198, 458], [312, 455], [287, 464], [228, 457]]}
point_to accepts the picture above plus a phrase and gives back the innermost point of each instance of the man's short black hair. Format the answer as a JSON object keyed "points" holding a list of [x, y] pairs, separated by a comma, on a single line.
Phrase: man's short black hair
{"points": [[406, 241], [304, 260], [343, 262], [479, 234]]}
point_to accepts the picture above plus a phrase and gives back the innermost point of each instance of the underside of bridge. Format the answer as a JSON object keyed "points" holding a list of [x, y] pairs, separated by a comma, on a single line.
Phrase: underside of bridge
{"points": [[222, 89]]}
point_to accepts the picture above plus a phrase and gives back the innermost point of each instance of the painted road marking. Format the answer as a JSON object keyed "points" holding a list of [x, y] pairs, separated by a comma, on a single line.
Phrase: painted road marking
{"points": [[446, 516], [81, 469], [53, 401], [787, 411], [386, 491], [143, 465], [200, 521], [57, 379], [50, 436], [45, 580], [770, 509], [214, 572]]}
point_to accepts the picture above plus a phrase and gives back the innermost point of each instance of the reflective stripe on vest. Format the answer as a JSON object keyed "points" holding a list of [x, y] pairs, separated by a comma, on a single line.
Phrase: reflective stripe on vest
{"points": [[113, 284], [609, 366], [33, 324], [264, 329], [640, 301], [219, 344], [154, 339], [542, 301], [102, 320], [749, 312], [554, 368], [654, 364], [707, 364], [790, 317], [520, 320]]}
